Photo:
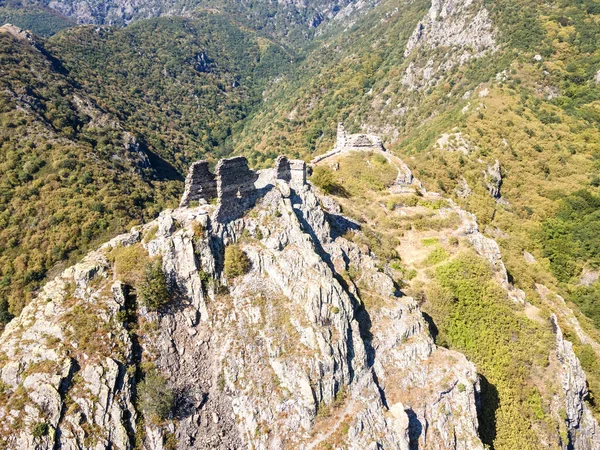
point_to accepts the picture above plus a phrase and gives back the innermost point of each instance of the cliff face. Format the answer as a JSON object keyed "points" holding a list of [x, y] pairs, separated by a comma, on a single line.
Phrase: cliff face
{"points": [[285, 356]]}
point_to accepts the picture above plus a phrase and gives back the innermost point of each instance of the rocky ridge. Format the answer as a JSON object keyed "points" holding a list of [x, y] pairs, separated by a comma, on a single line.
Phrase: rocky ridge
{"points": [[266, 360], [460, 29]]}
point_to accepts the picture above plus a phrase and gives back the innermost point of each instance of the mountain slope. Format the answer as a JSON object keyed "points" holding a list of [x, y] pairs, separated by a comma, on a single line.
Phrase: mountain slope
{"points": [[86, 159], [200, 330], [247, 357], [293, 23], [491, 103]]}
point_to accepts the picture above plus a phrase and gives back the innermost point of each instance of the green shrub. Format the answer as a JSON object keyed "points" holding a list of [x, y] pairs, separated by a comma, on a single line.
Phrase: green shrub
{"points": [[436, 256], [5, 315], [153, 288], [236, 262], [154, 396], [323, 178], [39, 429], [129, 263], [474, 316]]}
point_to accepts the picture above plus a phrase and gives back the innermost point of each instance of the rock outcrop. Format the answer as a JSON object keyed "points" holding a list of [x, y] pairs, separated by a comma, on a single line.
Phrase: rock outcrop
{"points": [[584, 433], [284, 356], [493, 179], [458, 29]]}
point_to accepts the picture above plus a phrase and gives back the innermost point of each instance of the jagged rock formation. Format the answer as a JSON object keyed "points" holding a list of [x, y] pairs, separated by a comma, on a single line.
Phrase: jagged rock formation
{"points": [[493, 179], [17, 32], [301, 17], [461, 29], [583, 429], [285, 356]]}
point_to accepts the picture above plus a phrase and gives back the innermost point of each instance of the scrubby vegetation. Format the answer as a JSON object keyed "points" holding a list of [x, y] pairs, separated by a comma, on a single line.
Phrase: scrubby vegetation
{"points": [[39, 19], [473, 315], [571, 242], [154, 397], [236, 262], [152, 288], [39, 430], [82, 115]]}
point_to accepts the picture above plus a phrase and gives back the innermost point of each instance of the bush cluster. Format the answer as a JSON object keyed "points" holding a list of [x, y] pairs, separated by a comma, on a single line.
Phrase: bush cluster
{"points": [[236, 262]]}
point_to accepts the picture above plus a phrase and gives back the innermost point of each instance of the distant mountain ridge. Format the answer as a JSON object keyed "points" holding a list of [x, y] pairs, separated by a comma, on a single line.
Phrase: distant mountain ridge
{"points": [[292, 22]]}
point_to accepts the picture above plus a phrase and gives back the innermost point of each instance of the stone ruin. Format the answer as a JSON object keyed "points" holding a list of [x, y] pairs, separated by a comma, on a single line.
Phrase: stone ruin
{"points": [[234, 184], [200, 184], [235, 188], [345, 141], [292, 171]]}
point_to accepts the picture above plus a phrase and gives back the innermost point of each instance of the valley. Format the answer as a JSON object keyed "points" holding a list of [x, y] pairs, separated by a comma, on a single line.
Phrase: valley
{"points": [[421, 273]]}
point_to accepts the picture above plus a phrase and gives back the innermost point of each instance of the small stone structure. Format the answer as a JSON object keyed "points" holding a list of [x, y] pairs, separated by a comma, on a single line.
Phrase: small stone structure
{"points": [[352, 142], [234, 184], [359, 141], [291, 170], [199, 184]]}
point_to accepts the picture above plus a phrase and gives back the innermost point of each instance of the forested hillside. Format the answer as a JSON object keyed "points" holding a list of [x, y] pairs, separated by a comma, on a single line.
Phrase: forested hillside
{"points": [[521, 88], [292, 23], [494, 105], [99, 125]]}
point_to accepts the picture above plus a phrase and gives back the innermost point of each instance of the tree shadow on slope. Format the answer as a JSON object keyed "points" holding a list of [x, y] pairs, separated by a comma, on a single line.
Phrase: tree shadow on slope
{"points": [[487, 403]]}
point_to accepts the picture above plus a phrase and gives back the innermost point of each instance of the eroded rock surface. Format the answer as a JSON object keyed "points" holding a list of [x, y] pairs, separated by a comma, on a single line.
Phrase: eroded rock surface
{"points": [[284, 356]]}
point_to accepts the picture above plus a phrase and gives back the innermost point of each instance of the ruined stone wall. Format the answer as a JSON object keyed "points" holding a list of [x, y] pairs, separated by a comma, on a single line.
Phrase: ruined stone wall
{"points": [[199, 184], [345, 141], [282, 168], [234, 184], [297, 173], [235, 188], [292, 171]]}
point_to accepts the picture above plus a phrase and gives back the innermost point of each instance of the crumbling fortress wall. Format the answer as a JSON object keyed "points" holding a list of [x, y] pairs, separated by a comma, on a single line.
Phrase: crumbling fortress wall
{"points": [[348, 142], [292, 171], [235, 188], [345, 141], [234, 184], [199, 184]]}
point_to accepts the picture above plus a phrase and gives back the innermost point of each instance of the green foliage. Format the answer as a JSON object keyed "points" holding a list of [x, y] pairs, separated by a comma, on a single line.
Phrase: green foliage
{"points": [[39, 430], [40, 20], [153, 288], [323, 178], [99, 102], [474, 316], [5, 315], [573, 235], [129, 263], [181, 84], [571, 240], [154, 397], [436, 256], [236, 262]]}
